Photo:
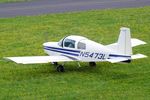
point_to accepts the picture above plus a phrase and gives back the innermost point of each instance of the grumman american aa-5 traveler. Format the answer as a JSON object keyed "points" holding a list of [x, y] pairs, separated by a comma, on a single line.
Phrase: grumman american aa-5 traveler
{"points": [[81, 49]]}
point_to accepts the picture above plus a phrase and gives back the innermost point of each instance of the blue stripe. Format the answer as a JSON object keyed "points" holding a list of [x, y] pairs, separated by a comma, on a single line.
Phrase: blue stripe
{"points": [[77, 51], [62, 52], [114, 55]]}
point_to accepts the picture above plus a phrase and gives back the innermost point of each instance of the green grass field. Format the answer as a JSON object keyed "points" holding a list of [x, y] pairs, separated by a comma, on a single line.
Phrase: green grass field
{"points": [[10, 1], [22, 36]]}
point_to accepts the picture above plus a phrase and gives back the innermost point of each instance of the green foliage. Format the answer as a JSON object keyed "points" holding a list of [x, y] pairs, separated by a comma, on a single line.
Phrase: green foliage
{"points": [[22, 36]]}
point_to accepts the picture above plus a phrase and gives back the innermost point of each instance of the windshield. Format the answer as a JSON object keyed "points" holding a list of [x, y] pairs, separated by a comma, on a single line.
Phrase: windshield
{"points": [[69, 43]]}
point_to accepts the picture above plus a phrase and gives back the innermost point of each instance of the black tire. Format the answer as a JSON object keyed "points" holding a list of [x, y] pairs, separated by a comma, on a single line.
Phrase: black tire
{"points": [[60, 68], [92, 64]]}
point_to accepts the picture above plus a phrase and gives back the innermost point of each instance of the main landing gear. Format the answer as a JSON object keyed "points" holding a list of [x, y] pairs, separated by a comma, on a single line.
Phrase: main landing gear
{"points": [[60, 68]]}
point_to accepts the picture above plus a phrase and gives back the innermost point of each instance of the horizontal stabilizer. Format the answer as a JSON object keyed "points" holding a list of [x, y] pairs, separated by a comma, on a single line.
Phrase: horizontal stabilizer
{"points": [[117, 59], [136, 42], [39, 59], [138, 56]]}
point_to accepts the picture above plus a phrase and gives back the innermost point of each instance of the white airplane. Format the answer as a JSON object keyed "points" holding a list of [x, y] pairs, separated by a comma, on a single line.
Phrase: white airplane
{"points": [[81, 49]]}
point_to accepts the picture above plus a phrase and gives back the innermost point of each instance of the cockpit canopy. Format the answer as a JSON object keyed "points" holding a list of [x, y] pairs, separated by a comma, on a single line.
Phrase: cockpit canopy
{"points": [[73, 42]]}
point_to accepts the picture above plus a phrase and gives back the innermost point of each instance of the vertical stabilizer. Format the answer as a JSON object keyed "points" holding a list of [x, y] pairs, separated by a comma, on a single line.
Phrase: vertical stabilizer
{"points": [[124, 42]]}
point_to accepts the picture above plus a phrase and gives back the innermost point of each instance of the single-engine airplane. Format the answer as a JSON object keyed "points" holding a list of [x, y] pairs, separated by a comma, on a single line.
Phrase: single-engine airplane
{"points": [[81, 49]]}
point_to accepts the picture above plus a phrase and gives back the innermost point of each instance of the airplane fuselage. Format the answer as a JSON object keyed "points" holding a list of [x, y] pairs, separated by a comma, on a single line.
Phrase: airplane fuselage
{"points": [[88, 52]]}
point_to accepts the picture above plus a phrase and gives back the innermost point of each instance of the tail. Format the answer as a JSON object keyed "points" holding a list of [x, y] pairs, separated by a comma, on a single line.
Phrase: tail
{"points": [[124, 42], [124, 46]]}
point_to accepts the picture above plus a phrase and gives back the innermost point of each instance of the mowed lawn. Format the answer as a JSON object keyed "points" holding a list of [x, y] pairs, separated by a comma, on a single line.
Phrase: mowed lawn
{"points": [[8, 1], [23, 36]]}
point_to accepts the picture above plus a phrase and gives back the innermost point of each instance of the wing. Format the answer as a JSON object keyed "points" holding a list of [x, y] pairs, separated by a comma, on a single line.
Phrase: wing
{"points": [[39, 59]]}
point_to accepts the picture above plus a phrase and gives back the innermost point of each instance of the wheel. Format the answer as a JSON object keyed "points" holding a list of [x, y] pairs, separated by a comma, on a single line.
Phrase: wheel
{"points": [[60, 68], [92, 64]]}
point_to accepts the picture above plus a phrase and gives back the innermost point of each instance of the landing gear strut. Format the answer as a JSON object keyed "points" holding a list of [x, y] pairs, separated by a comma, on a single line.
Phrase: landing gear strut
{"points": [[55, 63], [60, 68], [92, 64]]}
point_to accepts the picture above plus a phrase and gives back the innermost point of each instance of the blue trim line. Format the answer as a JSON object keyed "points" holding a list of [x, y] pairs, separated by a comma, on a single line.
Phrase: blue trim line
{"points": [[77, 51], [62, 52], [114, 55]]}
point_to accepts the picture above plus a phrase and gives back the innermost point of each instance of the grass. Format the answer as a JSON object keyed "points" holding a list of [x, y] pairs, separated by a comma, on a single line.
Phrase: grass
{"points": [[11, 1], [22, 36]]}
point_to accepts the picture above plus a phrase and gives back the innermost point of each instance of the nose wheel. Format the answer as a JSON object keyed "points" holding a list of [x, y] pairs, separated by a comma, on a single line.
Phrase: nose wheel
{"points": [[60, 68]]}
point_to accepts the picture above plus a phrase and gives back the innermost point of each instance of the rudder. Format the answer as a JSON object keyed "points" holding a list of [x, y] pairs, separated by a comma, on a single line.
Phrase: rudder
{"points": [[124, 42]]}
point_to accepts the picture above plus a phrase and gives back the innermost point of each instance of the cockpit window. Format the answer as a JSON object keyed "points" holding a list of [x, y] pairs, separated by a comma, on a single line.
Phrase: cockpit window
{"points": [[81, 45], [69, 43]]}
